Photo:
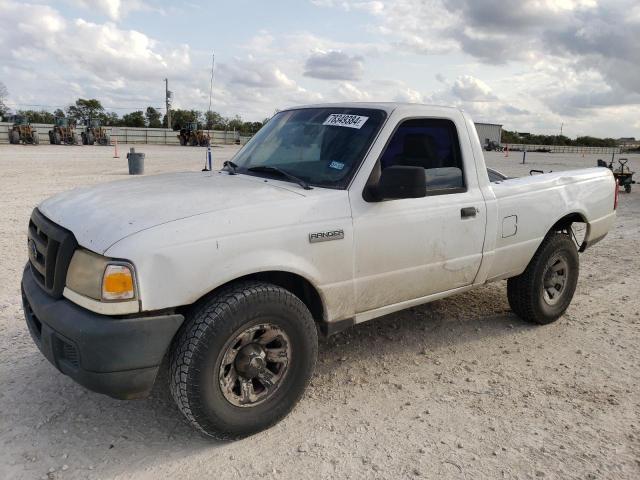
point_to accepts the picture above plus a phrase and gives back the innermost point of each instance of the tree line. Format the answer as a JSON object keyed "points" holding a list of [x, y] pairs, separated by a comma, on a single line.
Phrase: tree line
{"points": [[532, 139], [84, 110]]}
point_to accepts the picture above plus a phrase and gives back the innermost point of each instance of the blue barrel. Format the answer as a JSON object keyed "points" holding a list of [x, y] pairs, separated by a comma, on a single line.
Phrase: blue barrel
{"points": [[136, 162]]}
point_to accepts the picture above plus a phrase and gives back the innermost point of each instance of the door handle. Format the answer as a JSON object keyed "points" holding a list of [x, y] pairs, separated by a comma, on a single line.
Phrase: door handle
{"points": [[468, 212]]}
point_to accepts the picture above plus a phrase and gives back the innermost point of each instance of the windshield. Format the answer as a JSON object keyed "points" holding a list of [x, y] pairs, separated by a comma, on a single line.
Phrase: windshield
{"points": [[322, 146]]}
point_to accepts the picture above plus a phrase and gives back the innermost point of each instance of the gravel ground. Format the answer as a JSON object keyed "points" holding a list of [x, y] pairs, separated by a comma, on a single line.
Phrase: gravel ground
{"points": [[457, 389]]}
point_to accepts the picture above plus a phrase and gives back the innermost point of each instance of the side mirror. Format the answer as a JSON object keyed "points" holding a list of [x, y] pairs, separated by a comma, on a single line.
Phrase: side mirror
{"points": [[399, 181]]}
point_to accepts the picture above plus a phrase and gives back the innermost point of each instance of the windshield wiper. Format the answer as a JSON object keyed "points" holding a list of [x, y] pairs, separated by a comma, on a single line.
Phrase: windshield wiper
{"points": [[230, 166], [283, 173]]}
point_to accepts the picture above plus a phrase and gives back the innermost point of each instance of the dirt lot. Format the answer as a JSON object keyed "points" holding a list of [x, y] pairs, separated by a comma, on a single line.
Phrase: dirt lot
{"points": [[459, 389]]}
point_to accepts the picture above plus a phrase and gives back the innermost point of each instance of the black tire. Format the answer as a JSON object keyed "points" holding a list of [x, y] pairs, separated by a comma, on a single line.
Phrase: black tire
{"points": [[527, 294], [90, 139], [14, 137], [210, 328], [627, 188]]}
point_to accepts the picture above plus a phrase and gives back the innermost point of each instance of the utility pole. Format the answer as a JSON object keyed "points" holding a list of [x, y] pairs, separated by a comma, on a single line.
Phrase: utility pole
{"points": [[168, 94], [561, 125]]}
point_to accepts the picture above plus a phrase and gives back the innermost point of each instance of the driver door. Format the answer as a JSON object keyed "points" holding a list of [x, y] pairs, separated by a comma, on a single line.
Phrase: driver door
{"points": [[406, 249]]}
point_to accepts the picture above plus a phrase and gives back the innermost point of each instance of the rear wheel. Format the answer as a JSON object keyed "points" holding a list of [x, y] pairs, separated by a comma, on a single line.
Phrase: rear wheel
{"points": [[14, 137], [57, 138], [543, 292], [627, 188], [243, 359], [90, 139]]}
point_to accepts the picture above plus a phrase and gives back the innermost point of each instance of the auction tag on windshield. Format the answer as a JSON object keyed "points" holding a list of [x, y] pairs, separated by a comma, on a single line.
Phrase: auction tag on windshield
{"points": [[343, 120]]}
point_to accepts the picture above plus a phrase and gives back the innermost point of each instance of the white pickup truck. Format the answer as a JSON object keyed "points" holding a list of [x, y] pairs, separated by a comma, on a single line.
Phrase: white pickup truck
{"points": [[330, 216]]}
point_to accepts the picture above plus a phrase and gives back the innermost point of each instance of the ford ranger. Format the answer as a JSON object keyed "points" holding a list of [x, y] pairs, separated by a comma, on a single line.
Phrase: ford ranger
{"points": [[330, 216]]}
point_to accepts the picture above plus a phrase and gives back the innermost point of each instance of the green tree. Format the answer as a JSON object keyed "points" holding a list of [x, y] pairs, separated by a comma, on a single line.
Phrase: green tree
{"points": [[58, 113], [234, 123], [109, 119], [181, 117], [153, 118], [34, 116], [85, 109], [4, 93], [250, 127], [212, 120], [133, 119]]}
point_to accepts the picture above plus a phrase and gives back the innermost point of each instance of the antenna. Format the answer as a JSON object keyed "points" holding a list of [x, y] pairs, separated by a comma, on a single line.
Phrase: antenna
{"points": [[208, 164], [213, 63]]}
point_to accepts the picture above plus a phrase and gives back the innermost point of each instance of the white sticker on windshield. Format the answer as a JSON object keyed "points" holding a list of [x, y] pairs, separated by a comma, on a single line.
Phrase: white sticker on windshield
{"points": [[343, 120]]}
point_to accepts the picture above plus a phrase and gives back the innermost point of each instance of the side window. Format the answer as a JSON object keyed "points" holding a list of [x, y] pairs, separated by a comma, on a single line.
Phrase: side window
{"points": [[433, 145]]}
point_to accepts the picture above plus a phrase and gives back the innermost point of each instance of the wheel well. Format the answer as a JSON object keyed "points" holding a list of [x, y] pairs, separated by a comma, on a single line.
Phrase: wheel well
{"points": [[296, 284], [565, 222]]}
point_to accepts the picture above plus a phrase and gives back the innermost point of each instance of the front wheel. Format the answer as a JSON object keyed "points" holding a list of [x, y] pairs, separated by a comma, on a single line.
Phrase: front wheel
{"points": [[243, 359], [543, 292]]}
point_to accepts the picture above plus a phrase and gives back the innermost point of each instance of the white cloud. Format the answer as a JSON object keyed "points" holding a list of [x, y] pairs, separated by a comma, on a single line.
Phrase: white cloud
{"points": [[409, 95], [348, 92], [334, 65], [116, 9], [254, 73], [372, 7], [471, 89]]}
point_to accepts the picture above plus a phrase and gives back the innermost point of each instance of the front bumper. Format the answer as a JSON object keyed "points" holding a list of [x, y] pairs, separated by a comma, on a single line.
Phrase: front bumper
{"points": [[119, 357]]}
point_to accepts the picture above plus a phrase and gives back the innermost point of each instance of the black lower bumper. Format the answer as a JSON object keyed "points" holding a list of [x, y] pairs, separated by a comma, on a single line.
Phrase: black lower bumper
{"points": [[119, 357]]}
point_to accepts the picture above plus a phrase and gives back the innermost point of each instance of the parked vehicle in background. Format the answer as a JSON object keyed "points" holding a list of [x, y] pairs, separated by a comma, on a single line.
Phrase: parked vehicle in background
{"points": [[622, 174], [331, 215], [94, 132], [191, 135], [492, 146], [22, 132], [64, 132]]}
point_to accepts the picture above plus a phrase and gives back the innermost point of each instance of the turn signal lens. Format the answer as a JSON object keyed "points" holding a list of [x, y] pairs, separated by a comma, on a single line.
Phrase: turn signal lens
{"points": [[117, 283]]}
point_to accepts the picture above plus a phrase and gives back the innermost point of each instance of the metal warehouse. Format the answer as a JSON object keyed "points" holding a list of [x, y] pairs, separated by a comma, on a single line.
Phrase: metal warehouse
{"points": [[489, 132]]}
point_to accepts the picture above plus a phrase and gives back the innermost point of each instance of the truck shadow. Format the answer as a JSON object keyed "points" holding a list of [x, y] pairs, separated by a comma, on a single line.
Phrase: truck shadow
{"points": [[426, 330], [56, 411]]}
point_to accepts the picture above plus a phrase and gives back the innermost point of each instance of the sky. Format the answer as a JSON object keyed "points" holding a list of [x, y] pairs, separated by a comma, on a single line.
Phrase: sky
{"points": [[531, 65]]}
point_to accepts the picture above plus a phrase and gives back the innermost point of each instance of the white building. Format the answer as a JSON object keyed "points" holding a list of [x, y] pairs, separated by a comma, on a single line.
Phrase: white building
{"points": [[489, 132]]}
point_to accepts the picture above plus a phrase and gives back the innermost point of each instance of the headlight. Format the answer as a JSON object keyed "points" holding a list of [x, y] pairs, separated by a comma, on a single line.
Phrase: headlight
{"points": [[101, 278], [117, 283]]}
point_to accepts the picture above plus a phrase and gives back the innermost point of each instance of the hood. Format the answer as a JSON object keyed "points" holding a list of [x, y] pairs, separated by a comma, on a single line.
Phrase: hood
{"points": [[101, 215]]}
